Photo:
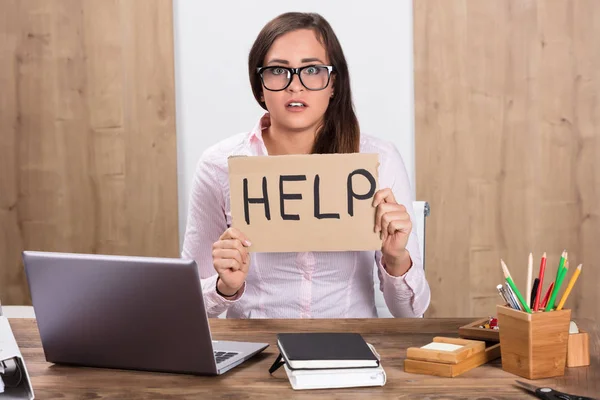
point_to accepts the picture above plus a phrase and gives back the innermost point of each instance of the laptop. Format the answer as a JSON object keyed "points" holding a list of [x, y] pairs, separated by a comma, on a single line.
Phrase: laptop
{"points": [[126, 312]]}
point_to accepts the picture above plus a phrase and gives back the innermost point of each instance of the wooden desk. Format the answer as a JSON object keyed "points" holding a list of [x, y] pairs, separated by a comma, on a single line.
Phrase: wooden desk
{"points": [[391, 338]]}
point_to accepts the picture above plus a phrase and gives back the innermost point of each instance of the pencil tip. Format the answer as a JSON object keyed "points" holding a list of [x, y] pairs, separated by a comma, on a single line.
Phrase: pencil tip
{"points": [[504, 269], [544, 255]]}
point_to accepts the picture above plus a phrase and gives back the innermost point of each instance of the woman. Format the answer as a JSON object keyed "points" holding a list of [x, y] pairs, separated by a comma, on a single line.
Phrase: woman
{"points": [[298, 73]]}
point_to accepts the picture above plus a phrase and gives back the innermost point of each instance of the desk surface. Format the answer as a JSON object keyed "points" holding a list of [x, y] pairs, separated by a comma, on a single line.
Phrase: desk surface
{"points": [[391, 338]]}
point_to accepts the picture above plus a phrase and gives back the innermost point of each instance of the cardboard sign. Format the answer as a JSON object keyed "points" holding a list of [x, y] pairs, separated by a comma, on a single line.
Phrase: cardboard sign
{"points": [[295, 203]]}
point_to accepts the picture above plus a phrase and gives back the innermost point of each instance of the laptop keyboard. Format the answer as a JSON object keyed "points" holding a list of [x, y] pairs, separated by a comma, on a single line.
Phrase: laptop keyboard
{"points": [[221, 356]]}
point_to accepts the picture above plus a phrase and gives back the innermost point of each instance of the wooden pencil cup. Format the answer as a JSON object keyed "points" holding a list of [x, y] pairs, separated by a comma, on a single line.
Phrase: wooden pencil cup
{"points": [[533, 346], [578, 349]]}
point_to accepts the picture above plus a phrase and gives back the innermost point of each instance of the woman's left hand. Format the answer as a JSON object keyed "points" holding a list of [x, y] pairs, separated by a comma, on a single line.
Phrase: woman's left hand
{"points": [[393, 223]]}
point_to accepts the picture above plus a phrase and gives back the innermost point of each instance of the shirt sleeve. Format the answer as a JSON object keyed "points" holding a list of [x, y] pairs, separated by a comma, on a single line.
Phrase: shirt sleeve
{"points": [[206, 222], [407, 295]]}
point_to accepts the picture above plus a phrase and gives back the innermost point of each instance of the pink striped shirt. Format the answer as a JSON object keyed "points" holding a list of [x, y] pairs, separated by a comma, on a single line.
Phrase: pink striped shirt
{"points": [[299, 285]]}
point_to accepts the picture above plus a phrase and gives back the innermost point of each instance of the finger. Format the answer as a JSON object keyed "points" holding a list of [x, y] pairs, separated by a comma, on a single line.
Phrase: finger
{"points": [[380, 195], [231, 279], [389, 217], [228, 253], [222, 264], [383, 196], [384, 208], [404, 226], [234, 233], [381, 209], [232, 244], [244, 268]]}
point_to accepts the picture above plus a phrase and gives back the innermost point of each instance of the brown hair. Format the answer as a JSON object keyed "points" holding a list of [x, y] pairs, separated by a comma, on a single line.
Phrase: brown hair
{"points": [[339, 132]]}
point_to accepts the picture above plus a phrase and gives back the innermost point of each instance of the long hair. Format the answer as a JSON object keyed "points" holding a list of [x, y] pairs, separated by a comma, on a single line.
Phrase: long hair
{"points": [[339, 132]]}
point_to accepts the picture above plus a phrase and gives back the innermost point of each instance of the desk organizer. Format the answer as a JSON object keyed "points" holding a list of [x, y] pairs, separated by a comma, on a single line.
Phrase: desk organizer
{"points": [[578, 349], [471, 354], [533, 346], [473, 331]]}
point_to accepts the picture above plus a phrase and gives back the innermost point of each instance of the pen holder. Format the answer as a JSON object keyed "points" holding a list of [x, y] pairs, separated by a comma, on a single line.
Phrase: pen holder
{"points": [[533, 346]]}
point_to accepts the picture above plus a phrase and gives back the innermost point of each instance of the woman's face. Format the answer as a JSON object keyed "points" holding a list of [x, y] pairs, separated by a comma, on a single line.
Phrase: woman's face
{"points": [[297, 49]]}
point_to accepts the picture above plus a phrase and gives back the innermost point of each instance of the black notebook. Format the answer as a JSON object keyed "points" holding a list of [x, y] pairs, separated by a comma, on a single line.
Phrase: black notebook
{"points": [[325, 350]]}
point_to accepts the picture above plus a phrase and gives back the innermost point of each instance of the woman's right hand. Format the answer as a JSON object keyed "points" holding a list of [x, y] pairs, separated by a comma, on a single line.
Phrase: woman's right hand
{"points": [[231, 260]]}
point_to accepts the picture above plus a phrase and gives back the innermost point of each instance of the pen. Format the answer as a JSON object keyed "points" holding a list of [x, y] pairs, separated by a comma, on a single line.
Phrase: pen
{"points": [[512, 302], [500, 290], [511, 295], [536, 284]]}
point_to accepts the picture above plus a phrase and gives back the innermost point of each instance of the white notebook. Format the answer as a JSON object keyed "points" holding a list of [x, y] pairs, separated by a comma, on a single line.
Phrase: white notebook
{"points": [[335, 378], [10, 357]]}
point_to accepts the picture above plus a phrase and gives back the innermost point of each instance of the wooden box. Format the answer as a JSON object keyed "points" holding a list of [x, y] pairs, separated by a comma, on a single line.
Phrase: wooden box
{"points": [[473, 331], [449, 363], [533, 346], [578, 349]]}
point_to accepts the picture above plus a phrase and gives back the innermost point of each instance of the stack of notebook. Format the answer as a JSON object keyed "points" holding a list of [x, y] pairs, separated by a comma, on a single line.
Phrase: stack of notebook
{"points": [[328, 360]]}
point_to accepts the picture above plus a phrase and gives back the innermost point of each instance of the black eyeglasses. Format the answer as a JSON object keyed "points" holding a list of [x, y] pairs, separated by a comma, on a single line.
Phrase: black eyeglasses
{"points": [[312, 77]]}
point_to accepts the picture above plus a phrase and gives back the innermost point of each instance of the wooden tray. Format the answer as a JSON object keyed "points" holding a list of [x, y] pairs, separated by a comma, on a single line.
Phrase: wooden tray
{"points": [[473, 331], [452, 370], [468, 349]]}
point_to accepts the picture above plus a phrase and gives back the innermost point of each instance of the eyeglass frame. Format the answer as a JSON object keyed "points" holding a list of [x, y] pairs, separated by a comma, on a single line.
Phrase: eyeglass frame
{"points": [[296, 71]]}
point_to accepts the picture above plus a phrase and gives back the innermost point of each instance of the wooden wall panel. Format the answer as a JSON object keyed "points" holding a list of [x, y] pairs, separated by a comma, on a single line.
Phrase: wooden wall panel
{"points": [[507, 153], [10, 241], [87, 145]]}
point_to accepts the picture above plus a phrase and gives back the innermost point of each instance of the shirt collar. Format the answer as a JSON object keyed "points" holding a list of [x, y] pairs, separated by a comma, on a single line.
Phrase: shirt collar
{"points": [[261, 125]]}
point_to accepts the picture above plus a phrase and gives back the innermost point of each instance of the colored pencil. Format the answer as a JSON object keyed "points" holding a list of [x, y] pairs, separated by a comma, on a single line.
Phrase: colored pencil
{"points": [[510, 295], [547, 296], [529, 275], [557, 282], [536, 303], [565, 270], [572, 281], [561, 279], [514, 287]]}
